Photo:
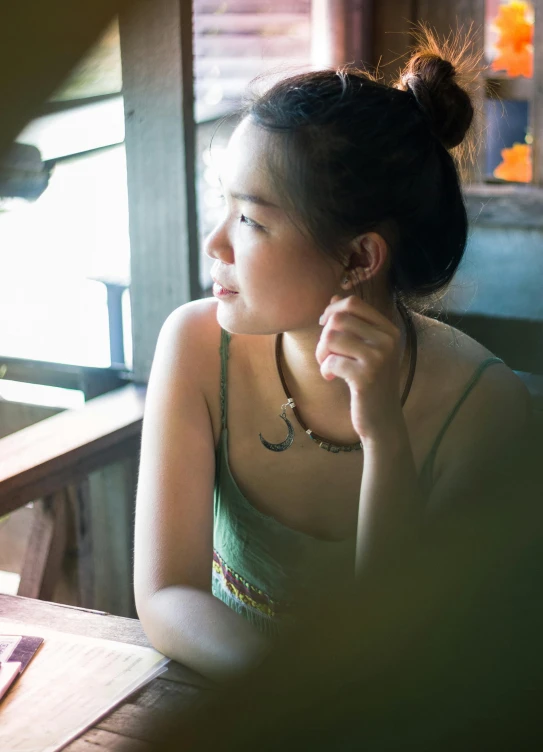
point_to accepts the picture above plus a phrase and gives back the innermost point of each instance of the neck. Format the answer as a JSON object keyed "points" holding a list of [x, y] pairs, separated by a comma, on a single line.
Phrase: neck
{"points": [[314, 395]]}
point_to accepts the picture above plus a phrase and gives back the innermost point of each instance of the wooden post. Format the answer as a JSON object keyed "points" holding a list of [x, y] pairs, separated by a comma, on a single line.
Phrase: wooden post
{"points": [[112, 492], [328, 39], [46, 548], [80, 504], [537, 101], [341, 32], [156, 51], [392, 22]]}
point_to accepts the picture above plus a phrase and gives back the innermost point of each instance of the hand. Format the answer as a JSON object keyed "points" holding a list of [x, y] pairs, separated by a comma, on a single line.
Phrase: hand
{"points": [[362, 347]]}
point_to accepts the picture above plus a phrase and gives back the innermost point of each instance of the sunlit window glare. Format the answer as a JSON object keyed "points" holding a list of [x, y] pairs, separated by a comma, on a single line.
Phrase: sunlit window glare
{"points": [[37, 394], [54, 252]]}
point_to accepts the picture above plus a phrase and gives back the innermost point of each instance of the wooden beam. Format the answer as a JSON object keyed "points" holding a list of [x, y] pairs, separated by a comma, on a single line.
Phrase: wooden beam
{"points": [[40, 43], [156, 51], [52, 454]]}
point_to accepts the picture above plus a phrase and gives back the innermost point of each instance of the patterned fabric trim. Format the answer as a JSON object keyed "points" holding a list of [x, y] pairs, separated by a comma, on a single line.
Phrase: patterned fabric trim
{"points": [[242, 591], [225, 341]]}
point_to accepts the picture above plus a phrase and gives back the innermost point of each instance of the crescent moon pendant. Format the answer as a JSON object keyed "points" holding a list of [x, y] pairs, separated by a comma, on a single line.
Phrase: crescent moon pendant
{"points": [[284, 444]]}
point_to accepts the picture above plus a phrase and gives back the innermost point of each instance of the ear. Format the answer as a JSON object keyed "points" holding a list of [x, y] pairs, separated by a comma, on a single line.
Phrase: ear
{"points": [[369, 258]]}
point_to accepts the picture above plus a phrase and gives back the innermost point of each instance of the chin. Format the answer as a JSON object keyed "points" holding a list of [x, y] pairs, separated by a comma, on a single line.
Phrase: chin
{"points": [[254, 323], [245, 322]]}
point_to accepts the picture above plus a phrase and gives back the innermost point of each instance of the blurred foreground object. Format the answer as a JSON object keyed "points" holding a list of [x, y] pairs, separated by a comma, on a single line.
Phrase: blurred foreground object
{"points": [[439, 649], [22, 173]]}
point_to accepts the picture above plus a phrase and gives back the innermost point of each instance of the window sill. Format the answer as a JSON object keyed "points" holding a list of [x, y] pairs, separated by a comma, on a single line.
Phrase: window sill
{"points": [[505, 205]]}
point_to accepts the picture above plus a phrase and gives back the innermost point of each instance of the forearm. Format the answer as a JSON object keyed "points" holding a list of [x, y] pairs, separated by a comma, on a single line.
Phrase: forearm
{"points": [[391, 501], [195, 628]]}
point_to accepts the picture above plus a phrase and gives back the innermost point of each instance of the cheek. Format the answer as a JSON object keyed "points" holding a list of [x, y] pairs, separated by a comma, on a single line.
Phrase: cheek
{"points": [[282, 273]]}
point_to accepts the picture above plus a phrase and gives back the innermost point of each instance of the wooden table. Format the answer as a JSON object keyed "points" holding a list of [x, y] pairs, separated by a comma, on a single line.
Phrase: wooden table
{"points": [[127, 727]]}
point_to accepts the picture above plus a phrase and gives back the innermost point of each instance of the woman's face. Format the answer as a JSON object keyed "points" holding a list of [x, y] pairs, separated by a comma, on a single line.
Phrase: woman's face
{"points": [[281, 280]]}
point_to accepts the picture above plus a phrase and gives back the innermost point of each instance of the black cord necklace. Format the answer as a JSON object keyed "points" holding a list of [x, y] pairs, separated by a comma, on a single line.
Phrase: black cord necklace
{"points": [[411, 343]]}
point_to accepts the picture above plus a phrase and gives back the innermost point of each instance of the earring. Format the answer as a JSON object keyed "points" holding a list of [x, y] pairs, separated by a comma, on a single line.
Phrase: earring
{"points": [[344, 280]]}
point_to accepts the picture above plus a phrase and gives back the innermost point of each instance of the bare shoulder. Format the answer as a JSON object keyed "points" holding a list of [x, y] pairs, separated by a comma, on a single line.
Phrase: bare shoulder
{"points": [[455, 359], [483, 403], [187, 358], [193, 321], [191, 336]]}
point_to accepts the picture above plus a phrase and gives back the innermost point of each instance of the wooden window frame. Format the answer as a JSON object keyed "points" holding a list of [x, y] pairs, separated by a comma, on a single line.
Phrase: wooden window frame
{"points": [[92, 381], [495, 204], [508, 204]]}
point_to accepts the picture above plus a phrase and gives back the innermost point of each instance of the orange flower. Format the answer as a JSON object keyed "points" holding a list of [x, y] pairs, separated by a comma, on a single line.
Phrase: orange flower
{"points": [[516, 165], [515, 39], [515, 63]]}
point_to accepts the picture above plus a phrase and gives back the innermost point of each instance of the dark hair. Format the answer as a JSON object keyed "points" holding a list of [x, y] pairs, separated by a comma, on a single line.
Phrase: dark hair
{"points": [[350, 154]]}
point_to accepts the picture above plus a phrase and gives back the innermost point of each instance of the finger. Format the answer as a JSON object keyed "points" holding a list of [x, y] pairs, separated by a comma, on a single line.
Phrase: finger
{"points": [[338, 366], [347, 344], [343, 321], [359, 308], [358, 373]]}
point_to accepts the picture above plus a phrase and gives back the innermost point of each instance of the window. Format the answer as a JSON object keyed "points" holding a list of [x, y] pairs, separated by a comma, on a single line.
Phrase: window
{"points": [[234, 42], [63, 253], [509, 111]]}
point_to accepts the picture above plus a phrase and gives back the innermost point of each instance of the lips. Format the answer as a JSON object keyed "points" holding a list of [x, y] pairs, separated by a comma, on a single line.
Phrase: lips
{"points": [[224, 287]]}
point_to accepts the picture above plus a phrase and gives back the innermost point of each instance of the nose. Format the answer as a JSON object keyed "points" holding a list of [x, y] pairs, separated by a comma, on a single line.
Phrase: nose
{"points": [[217, 245]]}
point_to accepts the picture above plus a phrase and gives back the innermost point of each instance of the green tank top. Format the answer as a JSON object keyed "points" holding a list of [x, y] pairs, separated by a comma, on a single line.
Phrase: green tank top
{"points": [[262, 568]]}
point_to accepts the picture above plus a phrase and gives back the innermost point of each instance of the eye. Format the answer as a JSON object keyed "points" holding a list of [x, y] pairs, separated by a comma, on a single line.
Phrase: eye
{"points": [[250, 222]]}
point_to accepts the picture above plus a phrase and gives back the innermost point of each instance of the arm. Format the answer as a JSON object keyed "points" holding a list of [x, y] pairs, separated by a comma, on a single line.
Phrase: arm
{"points": [[361, 346], [391, 506], [174, 508], [479, 444]]}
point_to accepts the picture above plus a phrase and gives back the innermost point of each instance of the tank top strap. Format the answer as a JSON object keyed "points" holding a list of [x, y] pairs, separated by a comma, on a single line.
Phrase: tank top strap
{"points": [[428, 467], [225, 341]]}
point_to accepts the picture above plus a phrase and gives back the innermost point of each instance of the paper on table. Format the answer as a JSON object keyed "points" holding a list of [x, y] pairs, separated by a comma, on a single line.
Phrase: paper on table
{"points": [[70, 683], [8, 674]]}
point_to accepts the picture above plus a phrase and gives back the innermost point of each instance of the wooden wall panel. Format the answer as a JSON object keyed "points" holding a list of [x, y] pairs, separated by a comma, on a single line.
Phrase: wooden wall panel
{"points": [[447, 16]]}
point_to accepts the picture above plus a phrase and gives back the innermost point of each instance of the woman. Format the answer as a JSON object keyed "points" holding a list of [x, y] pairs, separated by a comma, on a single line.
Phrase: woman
{"points": [[343, 206]]}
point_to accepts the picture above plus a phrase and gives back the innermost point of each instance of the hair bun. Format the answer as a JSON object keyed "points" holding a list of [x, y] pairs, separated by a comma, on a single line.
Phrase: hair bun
{"points": [[431, 80]]}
